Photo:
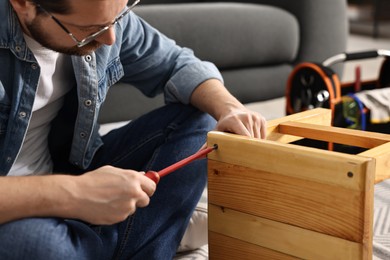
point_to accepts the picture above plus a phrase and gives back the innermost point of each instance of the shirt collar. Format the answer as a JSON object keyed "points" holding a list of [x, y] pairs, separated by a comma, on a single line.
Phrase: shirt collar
{"points": [[11, 34]]}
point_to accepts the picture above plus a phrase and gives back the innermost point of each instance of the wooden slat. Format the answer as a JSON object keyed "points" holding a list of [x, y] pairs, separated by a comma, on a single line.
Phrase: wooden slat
{"points": [[224, 247], [339, 135], [281, 237], [382, 157], [318, 116], [290, 160], [368, 210], [325, 208]]}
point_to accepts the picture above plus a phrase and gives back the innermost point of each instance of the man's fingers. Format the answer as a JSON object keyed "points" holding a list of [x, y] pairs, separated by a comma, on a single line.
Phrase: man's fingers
{"points": [[143, 202], [148, 185]]}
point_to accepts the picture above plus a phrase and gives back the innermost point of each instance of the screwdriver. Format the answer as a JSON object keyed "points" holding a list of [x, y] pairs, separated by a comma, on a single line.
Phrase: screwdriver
{"points": [[155, 176]]}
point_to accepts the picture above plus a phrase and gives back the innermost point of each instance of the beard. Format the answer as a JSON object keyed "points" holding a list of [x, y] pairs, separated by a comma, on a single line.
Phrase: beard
{"points": [[37, 32]]}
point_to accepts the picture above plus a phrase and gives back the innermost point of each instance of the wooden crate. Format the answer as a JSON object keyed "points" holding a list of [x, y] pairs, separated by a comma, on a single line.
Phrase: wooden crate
{"points": [[269, 199]]}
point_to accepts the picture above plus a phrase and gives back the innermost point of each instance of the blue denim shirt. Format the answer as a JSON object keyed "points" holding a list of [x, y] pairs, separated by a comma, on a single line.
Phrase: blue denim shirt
{"points": [[140, 56]]}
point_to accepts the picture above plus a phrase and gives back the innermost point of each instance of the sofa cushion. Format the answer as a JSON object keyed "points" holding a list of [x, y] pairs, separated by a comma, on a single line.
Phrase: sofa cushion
{"points": [[257, 83], [229, 34]]}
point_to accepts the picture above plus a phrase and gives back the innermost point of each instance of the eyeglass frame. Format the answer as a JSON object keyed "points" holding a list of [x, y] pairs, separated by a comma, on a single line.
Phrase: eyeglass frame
{"points": [[93, 36]]}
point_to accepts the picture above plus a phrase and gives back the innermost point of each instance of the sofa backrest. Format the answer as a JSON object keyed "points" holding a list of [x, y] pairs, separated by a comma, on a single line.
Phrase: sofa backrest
{"points": [[231, 35], [249, 43]]}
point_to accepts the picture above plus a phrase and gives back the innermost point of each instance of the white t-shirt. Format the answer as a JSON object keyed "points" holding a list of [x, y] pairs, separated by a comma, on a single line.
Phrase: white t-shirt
{"points": [[55, 81]]}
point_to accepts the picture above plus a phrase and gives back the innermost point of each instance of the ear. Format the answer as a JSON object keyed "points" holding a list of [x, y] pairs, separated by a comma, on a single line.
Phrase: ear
{"points": [[23, 8], [18, 5]]}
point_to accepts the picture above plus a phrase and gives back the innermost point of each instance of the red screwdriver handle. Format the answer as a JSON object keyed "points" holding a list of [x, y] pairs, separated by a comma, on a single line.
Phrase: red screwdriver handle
{"points": [[154, 176]]}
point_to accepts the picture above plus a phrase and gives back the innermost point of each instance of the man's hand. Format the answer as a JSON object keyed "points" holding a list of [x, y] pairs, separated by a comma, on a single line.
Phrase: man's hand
{"points": [[243, 122], [232, 116], [109, 195], [105, 196]]}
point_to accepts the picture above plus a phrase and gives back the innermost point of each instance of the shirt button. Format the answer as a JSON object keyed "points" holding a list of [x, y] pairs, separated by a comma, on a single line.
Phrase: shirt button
{"points": [[9, 159], [34, 66], [83, 134], [22, 114], [18, 48], [88, 58], [88, 102]]}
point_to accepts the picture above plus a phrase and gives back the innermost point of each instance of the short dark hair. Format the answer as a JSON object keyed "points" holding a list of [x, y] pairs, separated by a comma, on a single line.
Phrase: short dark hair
{"points": [[54, 6]]}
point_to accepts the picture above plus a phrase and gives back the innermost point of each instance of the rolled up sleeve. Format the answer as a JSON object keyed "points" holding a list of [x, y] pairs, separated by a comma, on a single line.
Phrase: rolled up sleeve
{"points": [[156, 64]]}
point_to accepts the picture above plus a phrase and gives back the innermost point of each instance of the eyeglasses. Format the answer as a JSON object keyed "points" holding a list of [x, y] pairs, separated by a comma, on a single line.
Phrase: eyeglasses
{"points": [[92, 36]]}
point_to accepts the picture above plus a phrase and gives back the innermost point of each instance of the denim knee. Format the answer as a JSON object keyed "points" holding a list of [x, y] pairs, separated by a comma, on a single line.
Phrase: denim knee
{"points": [[40, 238]]}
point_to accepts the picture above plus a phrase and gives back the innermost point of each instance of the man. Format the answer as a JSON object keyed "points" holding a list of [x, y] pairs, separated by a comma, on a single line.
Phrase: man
{"points": [[58, 59]]}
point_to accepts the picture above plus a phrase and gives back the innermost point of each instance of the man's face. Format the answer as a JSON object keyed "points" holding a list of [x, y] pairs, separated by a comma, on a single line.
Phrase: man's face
{"points": [[86, 18]]}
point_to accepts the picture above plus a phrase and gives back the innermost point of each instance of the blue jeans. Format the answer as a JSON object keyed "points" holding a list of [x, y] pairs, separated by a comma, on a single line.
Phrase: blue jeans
{"points": [[151, 142]]}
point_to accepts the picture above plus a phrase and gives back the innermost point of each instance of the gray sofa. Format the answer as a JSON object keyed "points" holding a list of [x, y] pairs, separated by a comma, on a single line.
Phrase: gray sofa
{"points": [[255, 44]]}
